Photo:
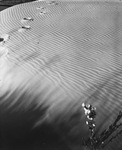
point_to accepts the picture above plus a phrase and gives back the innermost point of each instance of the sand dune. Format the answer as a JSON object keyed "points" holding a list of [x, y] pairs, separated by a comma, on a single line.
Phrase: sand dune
{"points": [[56, 57]]}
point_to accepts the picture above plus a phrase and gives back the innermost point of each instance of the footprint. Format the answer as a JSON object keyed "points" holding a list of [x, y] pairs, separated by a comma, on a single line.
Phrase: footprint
{"points": [[52, 2], [4, 38], [43, 11], [24, 28], [1, 40], [39, 8], [25, 20]]}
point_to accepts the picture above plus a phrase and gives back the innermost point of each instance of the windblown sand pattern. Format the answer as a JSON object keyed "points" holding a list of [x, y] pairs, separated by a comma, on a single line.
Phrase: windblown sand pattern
{"points": [[57, 56]]}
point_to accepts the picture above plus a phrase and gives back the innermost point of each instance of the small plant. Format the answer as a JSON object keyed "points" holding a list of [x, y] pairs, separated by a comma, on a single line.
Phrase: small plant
{"points": [[97, 143]]}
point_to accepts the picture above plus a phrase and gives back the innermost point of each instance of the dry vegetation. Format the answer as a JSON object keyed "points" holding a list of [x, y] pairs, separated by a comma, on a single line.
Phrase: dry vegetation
{"points": [[100, 142]]}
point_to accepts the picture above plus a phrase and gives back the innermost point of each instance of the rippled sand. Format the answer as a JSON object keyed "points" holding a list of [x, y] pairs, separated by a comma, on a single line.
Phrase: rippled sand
{"points": [[54, 57]]}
